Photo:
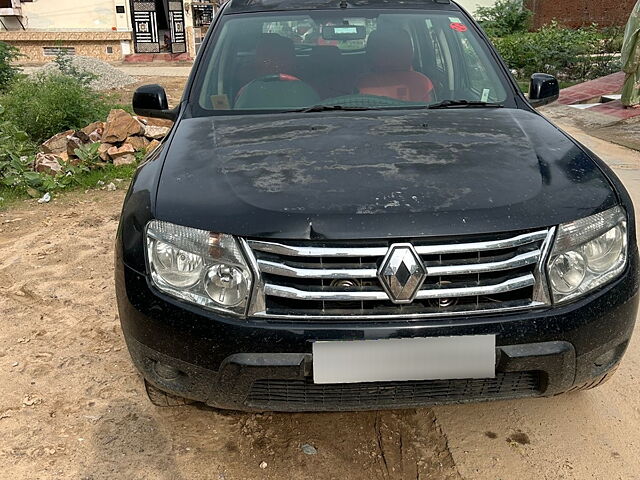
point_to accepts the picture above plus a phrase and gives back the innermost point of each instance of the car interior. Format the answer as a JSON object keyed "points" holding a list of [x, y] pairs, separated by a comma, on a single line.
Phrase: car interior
{"points": [[299, 62]]}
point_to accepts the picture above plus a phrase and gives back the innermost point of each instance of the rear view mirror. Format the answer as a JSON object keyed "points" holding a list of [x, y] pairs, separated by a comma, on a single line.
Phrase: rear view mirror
{"points": [[151, 101], [344, 32], [543, 89]]}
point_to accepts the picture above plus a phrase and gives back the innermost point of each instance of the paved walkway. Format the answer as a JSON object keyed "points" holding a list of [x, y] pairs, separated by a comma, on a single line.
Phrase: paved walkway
{"points": [[585, 93], [615, 109]]}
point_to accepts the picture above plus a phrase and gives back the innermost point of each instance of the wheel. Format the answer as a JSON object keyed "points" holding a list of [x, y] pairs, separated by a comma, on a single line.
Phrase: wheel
{"points": [[161, 398], [596, 382]]}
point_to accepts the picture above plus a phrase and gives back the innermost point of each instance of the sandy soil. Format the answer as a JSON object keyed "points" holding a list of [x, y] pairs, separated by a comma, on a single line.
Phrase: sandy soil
{"points": [[588, 435], [72, 405], [173, 85]]}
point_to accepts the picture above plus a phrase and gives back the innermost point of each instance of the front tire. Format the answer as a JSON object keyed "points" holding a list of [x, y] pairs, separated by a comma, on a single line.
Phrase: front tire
{"points": [[160, 398], [596, 382]]}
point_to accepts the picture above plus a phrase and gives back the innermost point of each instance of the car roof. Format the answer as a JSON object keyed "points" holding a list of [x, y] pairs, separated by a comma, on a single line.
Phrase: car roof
{"points": [[240, 6]]}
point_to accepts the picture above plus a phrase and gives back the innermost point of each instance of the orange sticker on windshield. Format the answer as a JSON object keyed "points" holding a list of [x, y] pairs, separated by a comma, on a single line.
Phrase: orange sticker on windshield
{"points": [[458, 27]]}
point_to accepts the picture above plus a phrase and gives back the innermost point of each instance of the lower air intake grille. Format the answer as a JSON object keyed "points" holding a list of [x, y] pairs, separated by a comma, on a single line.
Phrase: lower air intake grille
{"points": [[305, 395]]}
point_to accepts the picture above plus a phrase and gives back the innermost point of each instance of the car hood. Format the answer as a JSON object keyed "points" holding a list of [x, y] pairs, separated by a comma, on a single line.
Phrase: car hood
{"points": [[376, 174]]}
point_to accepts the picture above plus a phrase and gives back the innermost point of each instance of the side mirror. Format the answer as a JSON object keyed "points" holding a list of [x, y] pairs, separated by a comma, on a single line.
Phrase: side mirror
{"points": [[151, 101], [543, 89]]}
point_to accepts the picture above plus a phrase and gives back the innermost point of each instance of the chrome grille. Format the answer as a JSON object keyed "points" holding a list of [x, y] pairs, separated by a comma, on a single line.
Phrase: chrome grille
{"points": [[335, 280]]}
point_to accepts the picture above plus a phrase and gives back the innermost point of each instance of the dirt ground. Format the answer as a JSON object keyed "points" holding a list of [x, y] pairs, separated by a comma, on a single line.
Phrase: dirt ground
{"points": [[72, 405], [173, 85], [621, 132], [589, 435]]}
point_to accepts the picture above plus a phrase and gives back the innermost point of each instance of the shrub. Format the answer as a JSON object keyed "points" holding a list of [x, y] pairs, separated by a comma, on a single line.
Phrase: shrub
{"points": [[505, 17], [612, 39], [16, 156], [44, 105], [88, 154], [8, 55], [568, 54], [13, 141], [65, 64]]}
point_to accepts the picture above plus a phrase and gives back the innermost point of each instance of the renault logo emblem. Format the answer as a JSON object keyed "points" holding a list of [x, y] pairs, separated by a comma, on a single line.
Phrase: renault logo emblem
{"points": [[402, 273]]}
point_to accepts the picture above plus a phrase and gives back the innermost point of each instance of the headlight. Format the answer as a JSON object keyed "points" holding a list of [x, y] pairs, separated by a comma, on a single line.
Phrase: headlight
{"points": [[201, 267], [177, 267], [587, 253]]}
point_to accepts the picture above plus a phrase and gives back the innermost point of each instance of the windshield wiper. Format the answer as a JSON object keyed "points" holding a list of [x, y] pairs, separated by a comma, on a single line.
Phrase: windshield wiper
{"points": [[330, 108], [464, 104], [443, 104]]}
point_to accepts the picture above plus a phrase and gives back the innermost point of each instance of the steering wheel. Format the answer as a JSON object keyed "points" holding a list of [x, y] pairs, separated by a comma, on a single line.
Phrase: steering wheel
{"points": [[253, 92], [276, 77]]}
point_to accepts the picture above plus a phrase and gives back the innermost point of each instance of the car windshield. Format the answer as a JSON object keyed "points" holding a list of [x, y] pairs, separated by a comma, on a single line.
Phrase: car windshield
{"points": [[369, 59]]}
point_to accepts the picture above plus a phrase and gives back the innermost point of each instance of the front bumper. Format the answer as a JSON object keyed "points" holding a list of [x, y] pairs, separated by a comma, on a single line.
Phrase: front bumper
{"points": [[262, 365]]}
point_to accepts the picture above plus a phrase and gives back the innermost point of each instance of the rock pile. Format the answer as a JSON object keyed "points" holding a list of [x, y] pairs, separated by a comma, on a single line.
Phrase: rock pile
{"points": [[120, 138]]}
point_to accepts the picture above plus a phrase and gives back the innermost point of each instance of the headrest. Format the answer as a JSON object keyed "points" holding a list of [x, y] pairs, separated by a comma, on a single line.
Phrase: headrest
{"points": [[390, 49], [274, 54]]}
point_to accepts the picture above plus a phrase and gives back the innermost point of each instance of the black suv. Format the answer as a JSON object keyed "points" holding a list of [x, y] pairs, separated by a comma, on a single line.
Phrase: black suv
{"points": [[357, 208]]}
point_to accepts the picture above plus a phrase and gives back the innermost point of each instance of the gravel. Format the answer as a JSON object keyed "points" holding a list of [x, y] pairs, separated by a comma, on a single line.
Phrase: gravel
{"points": [[108, 77]]}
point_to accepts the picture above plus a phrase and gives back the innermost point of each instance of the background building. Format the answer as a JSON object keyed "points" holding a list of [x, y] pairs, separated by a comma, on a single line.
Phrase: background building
{"points": [[144, 30], [107, 29], [577, 13]]}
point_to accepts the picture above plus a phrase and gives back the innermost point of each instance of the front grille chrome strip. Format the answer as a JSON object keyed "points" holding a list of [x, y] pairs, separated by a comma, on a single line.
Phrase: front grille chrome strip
{"points": [[267, 266], [518, 261], [340, 279], [480, 309], [366, 295], [327, 252], [288, 271]]}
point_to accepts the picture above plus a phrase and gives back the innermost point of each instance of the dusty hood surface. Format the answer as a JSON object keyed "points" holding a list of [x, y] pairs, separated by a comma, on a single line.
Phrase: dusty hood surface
{"points": [[376, 174]]}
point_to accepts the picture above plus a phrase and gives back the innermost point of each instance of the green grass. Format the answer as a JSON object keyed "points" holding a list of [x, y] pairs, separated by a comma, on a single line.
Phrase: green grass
{"points": [[568, 84], [107, 174], [9, 196], [83, 181]]}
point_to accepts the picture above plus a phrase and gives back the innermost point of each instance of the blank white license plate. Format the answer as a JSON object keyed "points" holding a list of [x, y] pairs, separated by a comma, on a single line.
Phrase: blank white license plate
{"points": [[436, 358]]}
